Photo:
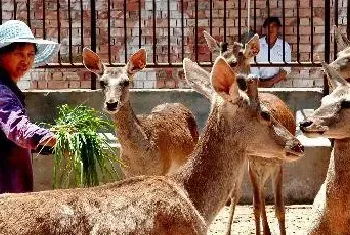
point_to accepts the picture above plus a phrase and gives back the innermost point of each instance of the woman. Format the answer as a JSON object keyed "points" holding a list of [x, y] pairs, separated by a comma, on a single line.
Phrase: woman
{"points": [[19, 52]]}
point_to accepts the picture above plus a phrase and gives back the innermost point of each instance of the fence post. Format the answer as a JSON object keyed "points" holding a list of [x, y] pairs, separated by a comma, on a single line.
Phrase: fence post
{"points": [[336, 16], [327, 42], [0, 11], [348, 18], [29, 23], [93, 39]]}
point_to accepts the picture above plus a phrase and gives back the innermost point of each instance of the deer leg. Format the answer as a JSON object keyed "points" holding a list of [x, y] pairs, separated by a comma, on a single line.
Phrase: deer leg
{"points": [[232, 212], [266, 228], [279, 202], [235, 195], [256, 199]]}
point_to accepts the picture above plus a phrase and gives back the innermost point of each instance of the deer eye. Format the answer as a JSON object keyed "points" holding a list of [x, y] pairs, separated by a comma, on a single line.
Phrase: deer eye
{"points": [[125, 83], [241, 83], [233, 63], [223, 46], [265, 115], [103, 84], [345, 104], [344, 62]]}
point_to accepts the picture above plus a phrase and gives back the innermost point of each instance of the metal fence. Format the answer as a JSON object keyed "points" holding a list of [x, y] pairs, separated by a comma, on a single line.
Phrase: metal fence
{"points": [[93, 28]]}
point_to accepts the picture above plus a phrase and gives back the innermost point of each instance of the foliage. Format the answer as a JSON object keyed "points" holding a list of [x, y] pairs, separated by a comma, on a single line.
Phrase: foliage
{"points": [[80, 152]]}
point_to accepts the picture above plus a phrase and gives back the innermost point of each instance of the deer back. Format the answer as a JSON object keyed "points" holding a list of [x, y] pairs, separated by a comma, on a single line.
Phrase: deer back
{"points": [[127, 207]]}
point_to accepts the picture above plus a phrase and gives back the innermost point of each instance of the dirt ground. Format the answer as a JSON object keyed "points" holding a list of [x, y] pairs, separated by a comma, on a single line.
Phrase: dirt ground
{"points": [[297, 220]]}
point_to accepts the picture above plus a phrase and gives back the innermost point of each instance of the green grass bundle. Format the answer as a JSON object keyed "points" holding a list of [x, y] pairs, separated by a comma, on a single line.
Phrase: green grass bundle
{"points": [[81, 153]]}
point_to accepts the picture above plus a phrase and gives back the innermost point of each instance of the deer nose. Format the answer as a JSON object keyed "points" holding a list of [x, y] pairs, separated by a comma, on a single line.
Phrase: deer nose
{"points": [[111, 105], [299, 148], [241, 82], [305, 124]]}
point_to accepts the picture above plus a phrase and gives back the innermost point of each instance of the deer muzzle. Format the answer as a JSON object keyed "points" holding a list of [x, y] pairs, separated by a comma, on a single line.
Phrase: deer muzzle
{"points": [[309, 126], [112, 106]]}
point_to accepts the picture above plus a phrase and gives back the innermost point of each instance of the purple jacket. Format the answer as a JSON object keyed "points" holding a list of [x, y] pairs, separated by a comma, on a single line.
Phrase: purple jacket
{"points": [[17, 137]]}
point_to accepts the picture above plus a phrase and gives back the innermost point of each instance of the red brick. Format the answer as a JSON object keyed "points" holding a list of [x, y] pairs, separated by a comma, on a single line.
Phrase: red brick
{"points": [[71, 76], [57, 85], [318, 21], [303, 30], [304, 21], [170, 84], [304, 48], [204, 57], [319, 12], [319, 29], [58, 76], [318, 4], [290, 4], [74, 84], [38, 14], [42, 84], [303, 12], [51, 15], [160, 84], [305, 3], [85, 84], [34, 85]]}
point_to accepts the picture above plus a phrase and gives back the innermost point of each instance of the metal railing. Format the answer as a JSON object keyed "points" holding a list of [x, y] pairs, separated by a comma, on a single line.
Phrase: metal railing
{"points": [[89, 7]]}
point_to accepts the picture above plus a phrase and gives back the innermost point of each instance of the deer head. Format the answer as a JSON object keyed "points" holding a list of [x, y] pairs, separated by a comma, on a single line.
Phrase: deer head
{"points": [[238, 56], [342, 63], [115, 82], [341, 39], [331, 118], [264, 136]]}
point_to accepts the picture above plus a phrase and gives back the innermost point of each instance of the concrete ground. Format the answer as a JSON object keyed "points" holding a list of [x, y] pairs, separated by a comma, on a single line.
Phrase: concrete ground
{"points": [[297, 220]]}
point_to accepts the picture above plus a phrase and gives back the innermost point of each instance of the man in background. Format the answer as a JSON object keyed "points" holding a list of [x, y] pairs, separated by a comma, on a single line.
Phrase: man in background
{"points": [[269, 76]]}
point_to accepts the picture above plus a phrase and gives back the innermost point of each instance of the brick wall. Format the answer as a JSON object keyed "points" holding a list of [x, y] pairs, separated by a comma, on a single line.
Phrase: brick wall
{"points": [[164, 77]]}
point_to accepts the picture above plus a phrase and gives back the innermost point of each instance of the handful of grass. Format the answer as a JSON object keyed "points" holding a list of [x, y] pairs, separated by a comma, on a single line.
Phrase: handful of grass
{"points": [[80, 152]]}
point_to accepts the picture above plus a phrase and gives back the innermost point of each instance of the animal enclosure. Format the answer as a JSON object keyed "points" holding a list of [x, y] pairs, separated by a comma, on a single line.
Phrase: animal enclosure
{"points": [[172, 30]]}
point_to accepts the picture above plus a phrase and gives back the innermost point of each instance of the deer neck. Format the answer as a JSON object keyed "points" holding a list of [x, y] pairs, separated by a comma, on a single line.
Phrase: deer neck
{"points": [[130, 133], [338, 172], [213, 166]]}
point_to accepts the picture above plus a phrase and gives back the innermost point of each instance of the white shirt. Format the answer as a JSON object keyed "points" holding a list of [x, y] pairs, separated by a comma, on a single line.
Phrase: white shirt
{"points": [[276, 55]]}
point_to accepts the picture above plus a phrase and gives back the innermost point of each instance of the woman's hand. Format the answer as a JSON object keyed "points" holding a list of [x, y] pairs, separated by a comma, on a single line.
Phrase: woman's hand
{"points": [[49, 142], [46, 147], [266, 84], [280, 76]]}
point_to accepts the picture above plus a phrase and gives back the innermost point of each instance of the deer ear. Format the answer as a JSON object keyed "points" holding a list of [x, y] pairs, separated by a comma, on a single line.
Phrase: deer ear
{"points": [[343, 60], [197, 78], [341, 39], [252, 48], [211, 42], [137, 61], [333, 76], [92, 61], [223, 79], [252, 92]]}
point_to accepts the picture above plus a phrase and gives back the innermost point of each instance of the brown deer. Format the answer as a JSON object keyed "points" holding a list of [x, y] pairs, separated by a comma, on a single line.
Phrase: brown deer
{"points": [[184, 203], [331, 120], [151, 144], [342, 62], [260, 169]]}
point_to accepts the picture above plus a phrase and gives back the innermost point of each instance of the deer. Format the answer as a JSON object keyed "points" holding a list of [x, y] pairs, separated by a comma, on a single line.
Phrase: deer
{"points": [[151, 144], [341, 63], [331, 206], [181, 203], [259, 169]]}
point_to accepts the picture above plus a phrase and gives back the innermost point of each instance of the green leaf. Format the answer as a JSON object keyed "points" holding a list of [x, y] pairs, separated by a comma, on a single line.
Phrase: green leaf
{"points": [[80, 153]]}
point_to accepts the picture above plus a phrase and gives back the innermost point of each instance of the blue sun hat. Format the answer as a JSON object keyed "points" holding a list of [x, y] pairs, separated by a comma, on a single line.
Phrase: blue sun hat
{"points": [[17, 31]]}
